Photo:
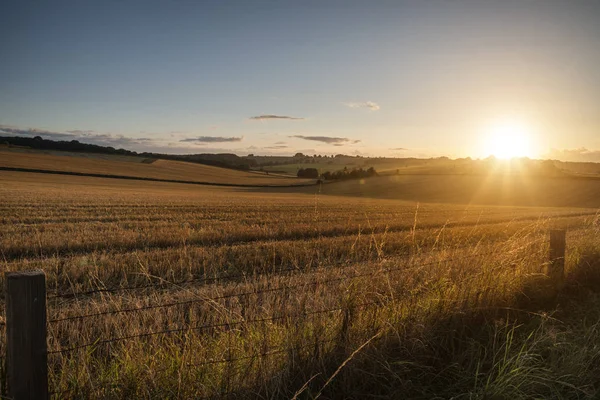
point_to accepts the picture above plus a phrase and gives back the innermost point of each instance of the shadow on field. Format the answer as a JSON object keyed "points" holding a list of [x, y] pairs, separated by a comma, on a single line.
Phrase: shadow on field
{"points": [[466, 189], [544, 345]]}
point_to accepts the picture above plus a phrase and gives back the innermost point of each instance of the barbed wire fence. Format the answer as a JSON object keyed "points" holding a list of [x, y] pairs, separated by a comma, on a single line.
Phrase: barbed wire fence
{"points": [[23, 287]]}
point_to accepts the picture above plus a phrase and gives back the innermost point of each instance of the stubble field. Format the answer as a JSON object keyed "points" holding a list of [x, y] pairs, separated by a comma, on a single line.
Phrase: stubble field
{"points": [[161, 290]]}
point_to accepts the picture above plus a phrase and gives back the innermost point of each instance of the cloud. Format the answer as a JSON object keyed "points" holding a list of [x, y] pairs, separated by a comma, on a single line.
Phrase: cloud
{"points": [[367, 104], [581, 154], [143, 144], [80, 132], [89, 136], [271, 116], [336, 141], [280, 143], [212, 139], [11, 130], [276, 147], [399, 149]]}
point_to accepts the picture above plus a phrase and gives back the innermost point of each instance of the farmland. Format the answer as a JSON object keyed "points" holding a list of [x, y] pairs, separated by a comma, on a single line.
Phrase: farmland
{"points": [[137, 167], [498, 190], [384, 166], [169, 290]]}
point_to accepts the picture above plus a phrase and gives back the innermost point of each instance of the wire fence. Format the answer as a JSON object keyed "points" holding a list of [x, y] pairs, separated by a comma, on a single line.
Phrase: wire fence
{"points": [[285, 317], [163, 283], [262, 291], [278, 289]]}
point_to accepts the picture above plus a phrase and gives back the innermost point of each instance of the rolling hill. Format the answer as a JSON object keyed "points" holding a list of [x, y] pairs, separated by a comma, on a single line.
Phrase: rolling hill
{"points": [[138, 167]]}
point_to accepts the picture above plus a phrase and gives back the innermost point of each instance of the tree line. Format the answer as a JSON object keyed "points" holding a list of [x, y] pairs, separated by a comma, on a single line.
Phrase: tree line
{"points": [[355, 173]]}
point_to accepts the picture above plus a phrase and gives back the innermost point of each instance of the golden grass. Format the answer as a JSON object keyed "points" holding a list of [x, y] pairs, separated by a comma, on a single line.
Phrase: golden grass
{"points": [[160, 169], [441, 293]]}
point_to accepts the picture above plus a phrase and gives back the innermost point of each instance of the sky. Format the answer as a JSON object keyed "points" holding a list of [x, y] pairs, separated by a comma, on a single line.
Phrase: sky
{"points": [[379, 78]]}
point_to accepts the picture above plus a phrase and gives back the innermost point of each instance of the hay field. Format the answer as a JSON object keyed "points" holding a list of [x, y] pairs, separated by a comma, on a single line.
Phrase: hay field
{"points": [[163, 290], [160, 169]]}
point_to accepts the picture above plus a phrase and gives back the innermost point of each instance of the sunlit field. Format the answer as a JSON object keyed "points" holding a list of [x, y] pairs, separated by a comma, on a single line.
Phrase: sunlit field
{"points": [[140, 168], [162, 290]]}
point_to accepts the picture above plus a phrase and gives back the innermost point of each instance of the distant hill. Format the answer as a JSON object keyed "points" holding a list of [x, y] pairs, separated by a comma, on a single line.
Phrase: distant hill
{"points": [[218, 160], [134, 167]]}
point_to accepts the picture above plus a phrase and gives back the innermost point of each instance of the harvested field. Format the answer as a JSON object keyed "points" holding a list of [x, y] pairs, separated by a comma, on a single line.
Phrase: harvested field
{"points": [[159, 170], [171, 290]]}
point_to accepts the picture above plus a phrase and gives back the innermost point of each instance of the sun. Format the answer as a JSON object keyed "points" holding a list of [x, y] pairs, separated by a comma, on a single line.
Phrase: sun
{"points": [[508, 139]]}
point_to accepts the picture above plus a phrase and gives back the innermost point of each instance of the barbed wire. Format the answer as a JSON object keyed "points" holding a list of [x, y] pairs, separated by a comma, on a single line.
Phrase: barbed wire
{"points": [[211, 326], [268, 353], [165, 283], [248, 293], [264, 354], [234, 323], [226, 278]]}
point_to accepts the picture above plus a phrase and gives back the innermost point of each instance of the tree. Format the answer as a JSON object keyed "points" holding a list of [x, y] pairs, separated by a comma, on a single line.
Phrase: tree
{"points": [[310, 173]]}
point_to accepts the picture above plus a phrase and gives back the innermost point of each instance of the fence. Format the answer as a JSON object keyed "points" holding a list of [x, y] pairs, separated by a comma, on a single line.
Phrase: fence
{"points": [[26, 321]]}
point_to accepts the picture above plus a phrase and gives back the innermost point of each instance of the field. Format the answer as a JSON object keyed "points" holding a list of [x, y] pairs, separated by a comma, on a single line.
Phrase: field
{"points": [[383, 166], [432, 166], [349, 290], [473, 189], [136, 167]]}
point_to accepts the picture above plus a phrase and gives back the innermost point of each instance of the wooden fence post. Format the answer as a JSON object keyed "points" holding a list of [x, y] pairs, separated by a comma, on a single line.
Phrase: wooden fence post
{"points": [[556, 268], [26, 351]]}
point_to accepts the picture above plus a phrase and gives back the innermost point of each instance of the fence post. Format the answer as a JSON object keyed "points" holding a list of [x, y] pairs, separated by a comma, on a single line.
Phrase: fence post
{"points": [[26, 351], [556, 268]]}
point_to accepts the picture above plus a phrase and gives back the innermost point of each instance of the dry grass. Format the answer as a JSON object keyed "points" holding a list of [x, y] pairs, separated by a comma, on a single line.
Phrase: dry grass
{"points": [[160, 169], [333, 297]]}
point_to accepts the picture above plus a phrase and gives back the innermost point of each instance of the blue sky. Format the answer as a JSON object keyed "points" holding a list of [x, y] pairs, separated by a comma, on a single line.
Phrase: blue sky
{"points": [[357, 77]]}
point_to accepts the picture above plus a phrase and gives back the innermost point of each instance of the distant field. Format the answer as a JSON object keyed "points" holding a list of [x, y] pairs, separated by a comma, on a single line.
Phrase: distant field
{"points": [[471, 189], [214, 215], [385, 167], [439, 166], [160, 169]]}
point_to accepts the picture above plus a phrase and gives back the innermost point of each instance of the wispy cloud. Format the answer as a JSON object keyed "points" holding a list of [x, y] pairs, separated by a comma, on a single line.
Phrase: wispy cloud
{"points": [[271, 116], [366, 104], [336, 141], [212, 139], [89, 136], [278, 147], [88, 132], [12, 130], [399, 149], [141, 144]]}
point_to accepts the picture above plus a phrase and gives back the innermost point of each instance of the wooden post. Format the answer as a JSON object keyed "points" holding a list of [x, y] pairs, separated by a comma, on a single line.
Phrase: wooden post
{"points": [[556, 268], [26, 351]]}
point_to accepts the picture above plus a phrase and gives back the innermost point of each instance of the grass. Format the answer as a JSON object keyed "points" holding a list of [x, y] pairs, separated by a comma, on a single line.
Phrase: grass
{"points": [[343, 297], [160, 169]]}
